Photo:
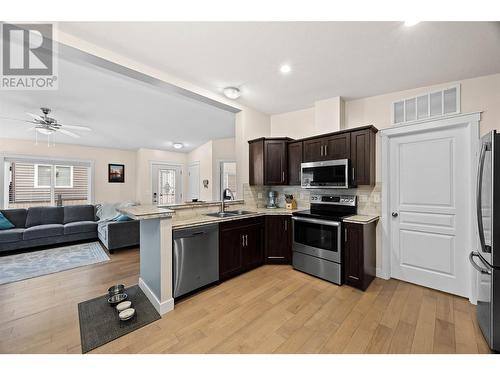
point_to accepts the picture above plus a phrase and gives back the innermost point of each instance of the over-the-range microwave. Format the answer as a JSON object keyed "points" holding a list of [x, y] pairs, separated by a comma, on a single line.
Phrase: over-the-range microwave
{"points": [[328, 174]]}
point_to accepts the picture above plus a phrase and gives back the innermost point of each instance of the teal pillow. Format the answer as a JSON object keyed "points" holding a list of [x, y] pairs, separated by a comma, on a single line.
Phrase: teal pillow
{"points": [[123, 218], [4, 223]]}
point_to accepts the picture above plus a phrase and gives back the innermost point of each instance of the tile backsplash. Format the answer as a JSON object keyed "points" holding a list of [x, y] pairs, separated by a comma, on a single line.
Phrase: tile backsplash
{"points": [[369, 197]]}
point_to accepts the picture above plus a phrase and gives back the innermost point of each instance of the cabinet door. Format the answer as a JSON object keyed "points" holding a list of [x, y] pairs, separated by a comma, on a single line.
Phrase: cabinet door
{"points": [[337, 147], [294, 161], [353, 254], [256, 163], [230, 253], [278, 239], [363, 157], [313, 150], [253, 250], [275, 162]]}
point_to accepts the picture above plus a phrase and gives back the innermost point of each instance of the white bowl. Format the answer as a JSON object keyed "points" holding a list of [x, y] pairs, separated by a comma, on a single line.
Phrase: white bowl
{"points": [[123, 305], [126, 314]]}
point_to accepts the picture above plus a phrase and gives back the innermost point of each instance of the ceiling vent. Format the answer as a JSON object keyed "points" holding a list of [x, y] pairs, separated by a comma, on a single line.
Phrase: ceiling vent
{"points": [[433, 104]]}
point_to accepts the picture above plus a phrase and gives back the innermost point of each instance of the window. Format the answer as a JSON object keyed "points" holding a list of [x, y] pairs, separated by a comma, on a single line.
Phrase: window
{"points": [[64, 176], [32, 183]]}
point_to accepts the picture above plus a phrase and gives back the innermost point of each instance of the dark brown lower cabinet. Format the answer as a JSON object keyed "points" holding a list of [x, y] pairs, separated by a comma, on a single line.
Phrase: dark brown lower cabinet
{"points": [[278, 239], [241, 246], [359, 254]]}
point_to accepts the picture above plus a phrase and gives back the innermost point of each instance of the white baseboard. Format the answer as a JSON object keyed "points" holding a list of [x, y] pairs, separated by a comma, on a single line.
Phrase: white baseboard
{"points": [[381, 275], [161, 307]]}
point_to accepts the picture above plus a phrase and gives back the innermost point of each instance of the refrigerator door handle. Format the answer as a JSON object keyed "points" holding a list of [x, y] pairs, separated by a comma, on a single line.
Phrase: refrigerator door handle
{"points": [[475, 265], [479, 198]]}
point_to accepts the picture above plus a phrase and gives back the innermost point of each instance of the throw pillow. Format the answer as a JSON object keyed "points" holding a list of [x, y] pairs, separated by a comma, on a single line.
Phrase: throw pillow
{"points": [[123, 218], [5, 223]]}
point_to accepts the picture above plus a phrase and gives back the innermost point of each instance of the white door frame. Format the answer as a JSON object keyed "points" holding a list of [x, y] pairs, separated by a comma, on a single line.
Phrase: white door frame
{"points": [[166, 164], [195, 163], [469, 120]]}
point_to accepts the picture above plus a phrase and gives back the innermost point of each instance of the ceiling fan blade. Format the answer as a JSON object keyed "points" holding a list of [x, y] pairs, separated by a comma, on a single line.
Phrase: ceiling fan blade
{"points": [[67, 132], [75, 127], [17, 119], [35, 117]]}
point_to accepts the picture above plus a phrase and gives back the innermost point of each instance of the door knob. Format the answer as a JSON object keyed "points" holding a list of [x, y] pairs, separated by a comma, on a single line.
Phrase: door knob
{"points": [[394, 214]]}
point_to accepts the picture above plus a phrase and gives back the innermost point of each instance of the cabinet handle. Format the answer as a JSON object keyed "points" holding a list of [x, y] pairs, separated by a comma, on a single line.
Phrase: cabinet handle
{"points": [[345, 234], [322, 150], [326, 150], [283, 176], [246, 240], [286, 225], [353, 175], [242, 240]]}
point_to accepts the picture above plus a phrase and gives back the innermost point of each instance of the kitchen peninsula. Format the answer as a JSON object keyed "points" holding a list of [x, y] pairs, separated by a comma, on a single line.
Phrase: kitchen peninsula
{"points": [[155, 278]]}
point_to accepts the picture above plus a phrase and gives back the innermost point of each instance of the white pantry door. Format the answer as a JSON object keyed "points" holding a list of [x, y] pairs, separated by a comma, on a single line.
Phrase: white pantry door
{"points": [[429, 190], [194, 180]]}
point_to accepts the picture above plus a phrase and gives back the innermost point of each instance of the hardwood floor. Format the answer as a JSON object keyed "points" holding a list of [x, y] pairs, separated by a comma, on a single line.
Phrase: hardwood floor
{"points": [[272, 309]]}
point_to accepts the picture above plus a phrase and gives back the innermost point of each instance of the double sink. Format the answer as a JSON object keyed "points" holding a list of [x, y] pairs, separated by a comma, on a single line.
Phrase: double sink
{"points": [[230, 213]]}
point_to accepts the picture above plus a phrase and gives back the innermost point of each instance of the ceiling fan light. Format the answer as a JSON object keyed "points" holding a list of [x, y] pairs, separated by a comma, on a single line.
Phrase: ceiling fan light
{"points": [[178, 145], [232, 92], [44, 131]]}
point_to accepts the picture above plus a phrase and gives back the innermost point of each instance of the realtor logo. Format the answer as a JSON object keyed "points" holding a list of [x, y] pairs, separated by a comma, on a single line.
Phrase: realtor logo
{"points": [[28, 57]]}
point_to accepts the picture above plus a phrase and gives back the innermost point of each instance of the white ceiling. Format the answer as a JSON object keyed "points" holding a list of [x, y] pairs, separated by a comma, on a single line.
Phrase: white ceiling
{"points": [[349, 59], [123, 112]]}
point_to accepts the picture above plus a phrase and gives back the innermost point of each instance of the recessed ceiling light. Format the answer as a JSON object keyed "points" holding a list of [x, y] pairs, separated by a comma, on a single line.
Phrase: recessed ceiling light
{"points": [[411, 23], [178, 145], [285, 68], [232, 92]]}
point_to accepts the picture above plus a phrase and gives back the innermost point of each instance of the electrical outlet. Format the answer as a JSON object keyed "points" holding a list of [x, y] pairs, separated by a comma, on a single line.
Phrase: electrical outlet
{"points": [[259, 195]]}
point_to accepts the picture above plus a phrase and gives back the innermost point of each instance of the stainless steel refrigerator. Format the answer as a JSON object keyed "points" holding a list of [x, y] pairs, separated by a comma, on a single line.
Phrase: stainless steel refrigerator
{"points": [[486, 260]]}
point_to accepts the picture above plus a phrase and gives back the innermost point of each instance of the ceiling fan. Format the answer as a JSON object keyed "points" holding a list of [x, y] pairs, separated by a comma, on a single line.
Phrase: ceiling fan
{"points": [[49, 126]]}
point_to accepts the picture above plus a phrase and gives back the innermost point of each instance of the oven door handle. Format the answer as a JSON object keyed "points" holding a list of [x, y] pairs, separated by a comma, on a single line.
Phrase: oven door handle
{"points": [[317, 221]]}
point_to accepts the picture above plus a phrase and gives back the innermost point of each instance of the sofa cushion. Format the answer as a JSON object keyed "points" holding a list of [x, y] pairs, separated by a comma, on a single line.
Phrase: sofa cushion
{"points": [[44, 215], [83, 212], [11, 235], [80, 227], [43, 231], [16, 216]]}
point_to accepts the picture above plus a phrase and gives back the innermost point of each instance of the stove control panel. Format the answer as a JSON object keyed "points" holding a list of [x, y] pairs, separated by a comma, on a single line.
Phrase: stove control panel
{"points": [[341, 200]]}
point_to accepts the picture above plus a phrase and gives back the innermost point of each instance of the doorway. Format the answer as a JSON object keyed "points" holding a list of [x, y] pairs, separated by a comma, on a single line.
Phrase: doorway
{"points": [[428, 174], [166, 184], [227, 179]]}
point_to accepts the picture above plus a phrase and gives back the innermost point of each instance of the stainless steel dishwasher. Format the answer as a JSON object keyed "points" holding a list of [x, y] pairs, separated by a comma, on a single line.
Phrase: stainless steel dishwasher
{"points": [[196, 258]]}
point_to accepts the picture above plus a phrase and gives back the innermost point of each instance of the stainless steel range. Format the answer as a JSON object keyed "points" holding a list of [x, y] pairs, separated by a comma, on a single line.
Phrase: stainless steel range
{"points": [[317, 236]]}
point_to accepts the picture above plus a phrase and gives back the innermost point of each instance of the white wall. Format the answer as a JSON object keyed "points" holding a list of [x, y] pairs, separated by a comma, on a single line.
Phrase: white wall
{"points": [[250, 124], [203, 156], [296, 124], [103, 190]]}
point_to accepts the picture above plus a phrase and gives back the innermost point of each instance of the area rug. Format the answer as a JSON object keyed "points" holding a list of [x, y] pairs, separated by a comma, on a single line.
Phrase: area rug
{"points": [[99, 322], [43, 262]]}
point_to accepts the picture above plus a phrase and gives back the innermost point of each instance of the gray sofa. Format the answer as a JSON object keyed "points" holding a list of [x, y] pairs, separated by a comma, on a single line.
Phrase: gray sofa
{"points": [[117, 234], [41, 226]]}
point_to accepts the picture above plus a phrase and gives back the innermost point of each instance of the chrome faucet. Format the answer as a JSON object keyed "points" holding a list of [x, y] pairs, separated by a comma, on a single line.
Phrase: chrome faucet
{"points": [[222, 204]]}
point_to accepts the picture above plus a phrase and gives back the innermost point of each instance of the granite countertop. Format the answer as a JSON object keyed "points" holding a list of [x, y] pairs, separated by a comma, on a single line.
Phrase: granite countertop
{"points": [[200, 204], [146, 212], [361, 219], [201, 218]]}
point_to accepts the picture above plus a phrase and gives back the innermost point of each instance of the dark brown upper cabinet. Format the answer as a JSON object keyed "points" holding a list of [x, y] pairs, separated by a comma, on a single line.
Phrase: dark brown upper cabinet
{"points": [[276, 161], [294, 160], [268, 161], [313, 150], [363, 156]]}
